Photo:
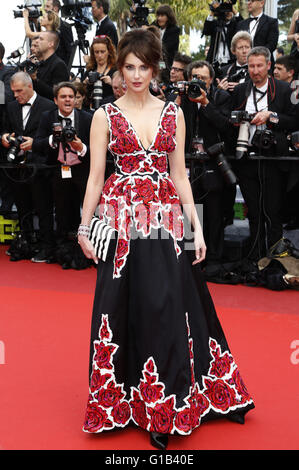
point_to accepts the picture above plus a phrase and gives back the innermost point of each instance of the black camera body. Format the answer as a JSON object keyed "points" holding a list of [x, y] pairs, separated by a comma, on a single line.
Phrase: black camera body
{"points": [[34, 11], [195, 88], [237, 117], [64, 134], [263, 139], [93, 77], [29, 67], [14, 149], [139, 14], [216, 152], [236, 77], [295, 141], [191, 89], [71, 7]]}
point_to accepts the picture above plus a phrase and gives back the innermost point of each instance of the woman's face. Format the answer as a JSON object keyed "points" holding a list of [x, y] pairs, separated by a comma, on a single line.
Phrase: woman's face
{"points": [[101, 53], [79, 100], [44, 20], [162, 20], [137, 75]]}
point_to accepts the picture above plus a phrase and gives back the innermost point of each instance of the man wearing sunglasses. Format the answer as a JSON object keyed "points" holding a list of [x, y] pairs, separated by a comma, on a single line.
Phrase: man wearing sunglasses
{"points": [[263, 29]]}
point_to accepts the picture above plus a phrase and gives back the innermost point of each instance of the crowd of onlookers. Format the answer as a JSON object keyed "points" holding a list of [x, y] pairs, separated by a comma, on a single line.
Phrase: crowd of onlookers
{"points": [[245, 104]]}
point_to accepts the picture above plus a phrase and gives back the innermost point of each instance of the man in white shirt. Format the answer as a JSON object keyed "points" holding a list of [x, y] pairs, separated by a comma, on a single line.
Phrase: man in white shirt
{"points": [[261, 181], [263, 29]]}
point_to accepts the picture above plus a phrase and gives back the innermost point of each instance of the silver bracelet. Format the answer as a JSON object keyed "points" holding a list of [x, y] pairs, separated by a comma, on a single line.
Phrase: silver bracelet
{"points": [[83, 230]]}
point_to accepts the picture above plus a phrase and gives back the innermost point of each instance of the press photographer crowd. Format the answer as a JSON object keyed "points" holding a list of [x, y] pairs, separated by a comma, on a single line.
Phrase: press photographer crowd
{"points": [[241, 108]]}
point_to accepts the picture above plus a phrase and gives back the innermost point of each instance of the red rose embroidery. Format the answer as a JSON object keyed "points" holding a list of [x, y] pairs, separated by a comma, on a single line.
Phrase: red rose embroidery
{"points": [[159, 162], [129, 163], [183, 420], [121, 413], [139, 411], [96, 418], [240, 386], [220, 394], [221, 364], [151, 392], [98, 380], [104, 330], [103, 355], [109, 396], [145, 191], [162, 416]]}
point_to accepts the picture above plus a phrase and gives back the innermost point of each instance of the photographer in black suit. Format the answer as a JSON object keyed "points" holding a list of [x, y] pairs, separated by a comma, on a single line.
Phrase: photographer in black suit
{"points": [[205, 117], [72, 155], [269, 100], [237, 71], [221, 25], [100, 10], [262, 28], [52, 70], [22, 119], [66, 38]]}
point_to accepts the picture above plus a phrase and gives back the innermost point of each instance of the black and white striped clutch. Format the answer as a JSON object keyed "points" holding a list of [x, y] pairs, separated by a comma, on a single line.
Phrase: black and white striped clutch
{"points": [[103, 237]]}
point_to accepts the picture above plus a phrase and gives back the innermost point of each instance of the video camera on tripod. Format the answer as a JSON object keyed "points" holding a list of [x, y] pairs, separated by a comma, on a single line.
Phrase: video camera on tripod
{"points": [[221, 10], [34, 11], [139, 13]]}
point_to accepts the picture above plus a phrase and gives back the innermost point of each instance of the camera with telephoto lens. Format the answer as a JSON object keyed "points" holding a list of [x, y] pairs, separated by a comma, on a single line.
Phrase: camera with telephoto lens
{"points": [[263, 139], [14, 149], [195, 88], [217, 153], [243, 118], [34, 11], [221, 10], [237, 117], [95, 79], [63, 134]]}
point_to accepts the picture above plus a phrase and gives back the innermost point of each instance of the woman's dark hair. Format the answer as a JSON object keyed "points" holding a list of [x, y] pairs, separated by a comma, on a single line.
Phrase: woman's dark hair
{"points": [[143, 44], [92, 63], [168, 11]]}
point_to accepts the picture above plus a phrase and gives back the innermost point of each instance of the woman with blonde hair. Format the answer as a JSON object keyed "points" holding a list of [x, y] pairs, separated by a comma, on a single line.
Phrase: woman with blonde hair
{"points": [[50, 21]]}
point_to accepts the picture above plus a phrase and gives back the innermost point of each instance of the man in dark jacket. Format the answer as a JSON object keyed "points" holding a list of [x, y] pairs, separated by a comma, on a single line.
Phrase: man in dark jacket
{"points": [[100, 10], [70, 176], [52, 70], [269, 100], [22, 119], [204, 118], [263, 29]]}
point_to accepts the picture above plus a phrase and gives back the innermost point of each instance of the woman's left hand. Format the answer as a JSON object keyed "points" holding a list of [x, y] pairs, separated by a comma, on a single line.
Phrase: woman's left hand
{"points": [[107, 79], [200, 246]]}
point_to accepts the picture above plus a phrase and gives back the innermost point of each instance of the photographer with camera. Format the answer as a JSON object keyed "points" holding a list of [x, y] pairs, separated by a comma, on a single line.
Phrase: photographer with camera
{"points": [[221, 25], [99, 70], [236, 72], [263, 114], [100, 10], [49, 21], [65, 32], [205, 109], [51, 70], [263, 29], [21, 124], [63, 135]]}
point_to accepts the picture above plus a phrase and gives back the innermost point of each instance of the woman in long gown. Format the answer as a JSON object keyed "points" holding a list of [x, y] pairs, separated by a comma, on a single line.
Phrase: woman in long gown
{"points": [[158, 355]]}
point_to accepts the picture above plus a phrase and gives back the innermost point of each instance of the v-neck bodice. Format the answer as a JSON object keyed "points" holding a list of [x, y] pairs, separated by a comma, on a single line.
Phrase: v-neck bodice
{"points": [[126, 146]]}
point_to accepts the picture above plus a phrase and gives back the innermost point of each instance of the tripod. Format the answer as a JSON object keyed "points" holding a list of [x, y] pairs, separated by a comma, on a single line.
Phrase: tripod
{"points": [[82, 45]]}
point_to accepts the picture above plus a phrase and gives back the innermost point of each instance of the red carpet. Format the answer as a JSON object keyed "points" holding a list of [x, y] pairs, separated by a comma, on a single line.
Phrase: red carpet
{"points": [[44, 344]]}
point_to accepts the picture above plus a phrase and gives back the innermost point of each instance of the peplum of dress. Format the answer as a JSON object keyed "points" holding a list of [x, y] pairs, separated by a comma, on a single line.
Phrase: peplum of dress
{"points": [[159, 358]]}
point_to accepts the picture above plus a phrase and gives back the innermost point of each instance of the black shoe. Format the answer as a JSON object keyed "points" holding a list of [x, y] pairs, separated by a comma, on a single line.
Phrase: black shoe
{"points": [[158, 440], [40, 257], [236, 418]]}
